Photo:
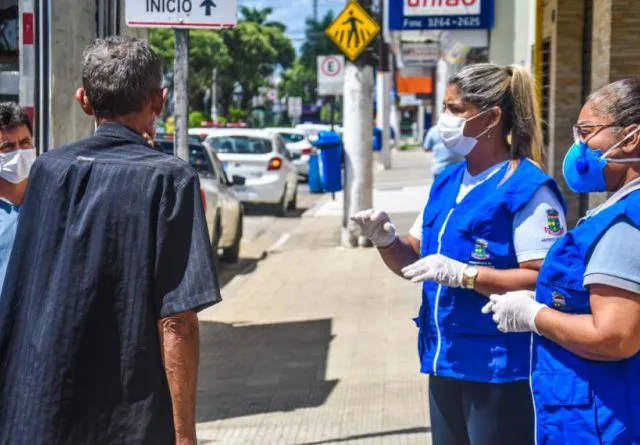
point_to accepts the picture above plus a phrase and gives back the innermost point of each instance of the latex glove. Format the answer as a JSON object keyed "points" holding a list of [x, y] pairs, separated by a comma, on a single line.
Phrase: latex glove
{"points": [[514, 311], [376, 225], [438, 268]]}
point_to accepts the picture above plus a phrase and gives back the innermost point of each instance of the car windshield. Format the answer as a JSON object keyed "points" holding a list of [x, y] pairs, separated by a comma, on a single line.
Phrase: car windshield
{"points": [[292, 137], [197, 157], [240, 145]]}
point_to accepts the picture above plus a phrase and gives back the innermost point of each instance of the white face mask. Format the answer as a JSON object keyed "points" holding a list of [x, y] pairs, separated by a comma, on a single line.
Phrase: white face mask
{"points": [[15, 165], [452, 133]]}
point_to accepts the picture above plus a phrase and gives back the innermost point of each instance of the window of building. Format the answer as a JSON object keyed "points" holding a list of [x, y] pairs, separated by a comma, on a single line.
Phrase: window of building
{"points": [[9, 50], [108, 17], [546, 89]]}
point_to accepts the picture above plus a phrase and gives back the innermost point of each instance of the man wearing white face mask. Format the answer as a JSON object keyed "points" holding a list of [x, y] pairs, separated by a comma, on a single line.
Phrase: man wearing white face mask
{"points": [[488, 224], [16, 157]]}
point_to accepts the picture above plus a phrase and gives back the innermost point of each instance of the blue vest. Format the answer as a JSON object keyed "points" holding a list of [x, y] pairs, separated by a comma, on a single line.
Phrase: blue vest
{"points": [[581, 401], [456, 340]]}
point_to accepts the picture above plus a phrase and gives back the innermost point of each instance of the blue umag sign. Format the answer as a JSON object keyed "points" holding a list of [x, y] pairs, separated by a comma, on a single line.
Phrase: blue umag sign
{"points": [[440, 14]]}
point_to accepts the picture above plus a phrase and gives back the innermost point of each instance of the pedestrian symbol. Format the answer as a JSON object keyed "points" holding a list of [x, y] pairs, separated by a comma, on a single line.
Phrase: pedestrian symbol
{"points": [[353, 30], [207, 5]]}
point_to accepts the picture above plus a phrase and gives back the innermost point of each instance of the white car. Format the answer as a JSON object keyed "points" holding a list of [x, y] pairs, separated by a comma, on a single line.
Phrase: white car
{"points": [[222, 207], [298, 145], [203, 133], [313, 130], [262, 158]]}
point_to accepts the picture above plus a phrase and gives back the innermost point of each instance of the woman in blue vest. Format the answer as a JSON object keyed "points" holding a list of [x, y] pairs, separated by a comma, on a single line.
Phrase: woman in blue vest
{"points": [[487, 226], [585, 311]]}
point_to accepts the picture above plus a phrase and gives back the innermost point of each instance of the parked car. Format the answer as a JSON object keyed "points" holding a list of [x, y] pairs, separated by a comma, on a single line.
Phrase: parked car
{"points": [[223, 209], [313, 130], [298, 144], [263, 159], [202, 133]]}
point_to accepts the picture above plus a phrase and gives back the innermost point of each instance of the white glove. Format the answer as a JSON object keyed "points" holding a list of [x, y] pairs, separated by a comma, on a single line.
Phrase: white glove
{"points": [[436, 268], [376, 226], [514, 311]]}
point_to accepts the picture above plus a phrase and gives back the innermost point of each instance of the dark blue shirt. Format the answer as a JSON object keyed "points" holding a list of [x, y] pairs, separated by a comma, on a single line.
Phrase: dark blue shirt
{"points": [[8, 225], [112, 237]]}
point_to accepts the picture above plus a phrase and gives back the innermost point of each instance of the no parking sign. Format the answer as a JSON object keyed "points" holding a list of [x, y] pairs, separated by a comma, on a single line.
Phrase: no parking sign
{"points": [[330, 75]]}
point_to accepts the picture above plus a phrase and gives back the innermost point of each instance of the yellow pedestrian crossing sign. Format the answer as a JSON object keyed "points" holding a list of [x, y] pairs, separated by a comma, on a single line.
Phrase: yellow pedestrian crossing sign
{"points": [[353, 30]]}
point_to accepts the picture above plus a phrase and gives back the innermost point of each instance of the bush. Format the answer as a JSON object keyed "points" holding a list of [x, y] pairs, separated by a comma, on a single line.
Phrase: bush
{"points": [[196, 118], [237, 115]]}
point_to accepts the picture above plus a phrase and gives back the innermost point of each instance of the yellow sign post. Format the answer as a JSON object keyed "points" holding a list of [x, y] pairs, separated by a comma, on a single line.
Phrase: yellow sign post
{"points": [[353, 30]]}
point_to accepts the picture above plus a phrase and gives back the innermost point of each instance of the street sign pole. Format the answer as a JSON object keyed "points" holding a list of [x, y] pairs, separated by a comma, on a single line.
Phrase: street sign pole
{"points": [[181, 78]]}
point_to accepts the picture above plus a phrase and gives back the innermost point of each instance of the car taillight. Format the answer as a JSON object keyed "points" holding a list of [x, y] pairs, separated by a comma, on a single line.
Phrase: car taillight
{"points": [[203, 197], [275, 164], [307, 151]]}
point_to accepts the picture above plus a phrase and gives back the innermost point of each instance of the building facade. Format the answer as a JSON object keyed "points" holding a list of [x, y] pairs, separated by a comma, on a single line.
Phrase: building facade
{"points": [[585, 45], [41, 45]]}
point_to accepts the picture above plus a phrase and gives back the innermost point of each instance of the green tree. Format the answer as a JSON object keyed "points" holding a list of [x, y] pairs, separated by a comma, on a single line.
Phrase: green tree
{"points": [[316, 44], [298, 81], [257, 51], [260, 16], [207, 50]]}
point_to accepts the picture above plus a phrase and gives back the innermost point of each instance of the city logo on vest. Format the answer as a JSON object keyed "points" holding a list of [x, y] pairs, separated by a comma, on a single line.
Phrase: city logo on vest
{"points": [[480, 250], [559, 302], [554, 227]]}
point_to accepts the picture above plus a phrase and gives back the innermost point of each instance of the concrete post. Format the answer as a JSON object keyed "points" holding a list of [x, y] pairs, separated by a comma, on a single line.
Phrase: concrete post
{"points": [[358, 138], [181, 77], [384, 117]]}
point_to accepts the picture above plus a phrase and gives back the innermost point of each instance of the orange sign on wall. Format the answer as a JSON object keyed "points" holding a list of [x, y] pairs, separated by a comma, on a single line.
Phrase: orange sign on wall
{"points": [[414, 85]]}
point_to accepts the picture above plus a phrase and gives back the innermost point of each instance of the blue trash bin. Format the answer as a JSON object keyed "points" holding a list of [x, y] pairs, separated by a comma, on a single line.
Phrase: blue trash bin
{"points": [[377, 139], [315, 184], [330, 146]]}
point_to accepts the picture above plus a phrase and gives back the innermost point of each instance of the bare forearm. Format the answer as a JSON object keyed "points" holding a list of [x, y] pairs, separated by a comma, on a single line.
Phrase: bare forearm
{"points": [[578, 334], [496, 281], [399, 255], [180, 340]]}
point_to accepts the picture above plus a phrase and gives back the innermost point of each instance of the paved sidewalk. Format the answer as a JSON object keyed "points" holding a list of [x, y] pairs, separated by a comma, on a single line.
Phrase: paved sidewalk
{"points": [[317, 345]]}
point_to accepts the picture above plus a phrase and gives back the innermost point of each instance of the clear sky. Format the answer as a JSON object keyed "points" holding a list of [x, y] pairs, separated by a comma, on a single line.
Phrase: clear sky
{"points": [[294, 12]]}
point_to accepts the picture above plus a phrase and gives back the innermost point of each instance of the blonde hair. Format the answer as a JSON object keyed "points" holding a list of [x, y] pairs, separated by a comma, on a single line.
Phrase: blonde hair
{"points": [[513, 90]]}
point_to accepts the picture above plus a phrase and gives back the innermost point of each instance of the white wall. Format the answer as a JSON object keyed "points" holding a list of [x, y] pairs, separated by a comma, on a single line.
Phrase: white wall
{"points": [[502, 42]]}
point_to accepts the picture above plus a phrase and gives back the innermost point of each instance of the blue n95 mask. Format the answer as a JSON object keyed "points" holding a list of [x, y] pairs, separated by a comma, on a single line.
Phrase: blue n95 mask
{"points": [[583, 167]]}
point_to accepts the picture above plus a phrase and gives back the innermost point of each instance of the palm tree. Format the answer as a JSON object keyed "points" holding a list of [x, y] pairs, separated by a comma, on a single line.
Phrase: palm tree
{"points": [[316, 41], [260, 16]]}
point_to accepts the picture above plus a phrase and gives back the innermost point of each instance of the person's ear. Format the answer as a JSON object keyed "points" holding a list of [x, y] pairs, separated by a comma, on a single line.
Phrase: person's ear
{"points": [[495, 116], [632, 145], [159, 101], [82, 99]]}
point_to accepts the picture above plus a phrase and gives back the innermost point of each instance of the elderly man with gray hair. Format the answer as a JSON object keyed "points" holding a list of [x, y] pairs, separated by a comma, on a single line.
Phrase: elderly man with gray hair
{"points": [[99, 340]]}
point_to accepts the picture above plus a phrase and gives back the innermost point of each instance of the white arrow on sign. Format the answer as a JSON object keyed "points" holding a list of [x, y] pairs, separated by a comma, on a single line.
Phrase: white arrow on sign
{"points": [[182, 13]]}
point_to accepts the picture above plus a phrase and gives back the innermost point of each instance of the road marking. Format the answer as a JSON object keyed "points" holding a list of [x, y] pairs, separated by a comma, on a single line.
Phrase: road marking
{"points": [[281, 242]]}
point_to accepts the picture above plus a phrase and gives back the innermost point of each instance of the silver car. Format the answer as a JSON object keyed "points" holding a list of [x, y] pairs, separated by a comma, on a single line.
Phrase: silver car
{"points": [[223, 209]]}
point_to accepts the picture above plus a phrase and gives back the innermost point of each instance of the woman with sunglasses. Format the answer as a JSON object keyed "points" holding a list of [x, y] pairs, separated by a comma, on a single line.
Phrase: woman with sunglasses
{"points": [[585, 311], [487, 226]]}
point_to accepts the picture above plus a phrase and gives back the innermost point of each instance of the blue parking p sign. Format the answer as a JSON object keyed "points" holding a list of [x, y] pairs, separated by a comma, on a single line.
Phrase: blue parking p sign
{"points": [[440, 14]]}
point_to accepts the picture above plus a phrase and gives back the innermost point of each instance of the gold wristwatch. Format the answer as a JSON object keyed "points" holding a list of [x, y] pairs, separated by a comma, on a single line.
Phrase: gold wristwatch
{"points": [[469, 276]]}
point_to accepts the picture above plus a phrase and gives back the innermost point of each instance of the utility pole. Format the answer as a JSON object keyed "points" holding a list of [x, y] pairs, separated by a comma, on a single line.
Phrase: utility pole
{"points": [[315, 10], [214, 96], [358, 135], [383, 99], [180, 81]]}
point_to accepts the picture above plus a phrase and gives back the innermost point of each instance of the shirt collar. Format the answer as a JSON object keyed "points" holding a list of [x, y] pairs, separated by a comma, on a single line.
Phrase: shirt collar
{"points": [[113, 129], [617, 196], [8, 206]]}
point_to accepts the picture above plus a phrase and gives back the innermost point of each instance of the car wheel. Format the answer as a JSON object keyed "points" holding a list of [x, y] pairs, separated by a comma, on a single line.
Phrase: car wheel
{"points": [[232, 254], [280, 209], [294, 201]]}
